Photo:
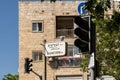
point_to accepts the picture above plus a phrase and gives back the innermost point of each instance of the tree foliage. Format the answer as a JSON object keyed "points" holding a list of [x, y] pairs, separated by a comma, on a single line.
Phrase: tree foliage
{"points": [[108, 45], [10, 77], [97, 7], [84, 62], [107, 37]]}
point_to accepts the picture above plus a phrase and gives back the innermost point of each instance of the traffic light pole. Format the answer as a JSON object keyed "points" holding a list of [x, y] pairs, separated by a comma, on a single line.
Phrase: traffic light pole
{"points": [[45, 67], [37, 74], [93, 50]]}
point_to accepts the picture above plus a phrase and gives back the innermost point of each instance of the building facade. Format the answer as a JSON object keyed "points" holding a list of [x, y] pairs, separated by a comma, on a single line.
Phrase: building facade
{"points": [[50, 22], [39, 21]]}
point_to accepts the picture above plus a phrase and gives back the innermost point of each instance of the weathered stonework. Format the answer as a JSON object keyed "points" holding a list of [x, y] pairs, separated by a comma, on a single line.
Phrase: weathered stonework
{"points": [[28, 40]]}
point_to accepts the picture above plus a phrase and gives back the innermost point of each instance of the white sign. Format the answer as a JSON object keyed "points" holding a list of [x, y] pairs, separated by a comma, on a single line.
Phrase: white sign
{"points": [[55, 49], [92, 61]]}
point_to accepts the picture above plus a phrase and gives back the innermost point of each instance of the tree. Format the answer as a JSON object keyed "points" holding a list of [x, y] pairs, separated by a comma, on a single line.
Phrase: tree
{"points": [[97, 7], [84, 62], [108, 37], [10, 77], [108, 49]]}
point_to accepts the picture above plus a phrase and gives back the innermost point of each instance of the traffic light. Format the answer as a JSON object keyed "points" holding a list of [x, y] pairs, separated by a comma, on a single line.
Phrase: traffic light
{"points": [[83, 33], [28, 65]]}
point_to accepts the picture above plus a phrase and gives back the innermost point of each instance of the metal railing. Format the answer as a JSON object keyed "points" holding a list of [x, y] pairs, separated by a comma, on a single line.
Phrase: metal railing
{"points": [[68, 33]]}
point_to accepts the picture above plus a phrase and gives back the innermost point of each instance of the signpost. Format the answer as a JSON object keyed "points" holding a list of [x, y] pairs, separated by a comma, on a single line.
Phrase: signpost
{"points": [[55, 49]]}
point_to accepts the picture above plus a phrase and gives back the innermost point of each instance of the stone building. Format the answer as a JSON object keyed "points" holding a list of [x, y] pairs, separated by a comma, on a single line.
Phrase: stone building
{"points": [[48, 21]]}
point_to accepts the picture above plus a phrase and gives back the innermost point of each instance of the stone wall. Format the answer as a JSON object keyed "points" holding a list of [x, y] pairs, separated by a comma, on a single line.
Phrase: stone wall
{"points": [[28, 40]]}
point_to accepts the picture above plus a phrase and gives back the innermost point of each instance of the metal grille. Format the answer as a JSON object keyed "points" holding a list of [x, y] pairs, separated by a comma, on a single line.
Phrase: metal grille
{"points": [[68, 33]]}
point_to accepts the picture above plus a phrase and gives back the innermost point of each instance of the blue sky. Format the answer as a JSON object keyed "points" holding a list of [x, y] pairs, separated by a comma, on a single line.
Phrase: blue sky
{"points": [[8, 37]]}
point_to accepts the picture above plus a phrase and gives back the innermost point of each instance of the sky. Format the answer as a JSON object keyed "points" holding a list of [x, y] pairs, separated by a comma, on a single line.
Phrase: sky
{"points": [[8, 37]]}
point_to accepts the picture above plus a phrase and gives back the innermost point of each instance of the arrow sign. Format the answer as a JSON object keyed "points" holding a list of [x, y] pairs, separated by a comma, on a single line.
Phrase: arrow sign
{"points": [[81, 10]]}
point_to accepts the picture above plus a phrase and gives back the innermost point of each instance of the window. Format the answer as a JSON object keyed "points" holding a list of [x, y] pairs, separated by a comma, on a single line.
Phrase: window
{"points": [[37, 55], [37, 26], [71, 59], [64, 26]]}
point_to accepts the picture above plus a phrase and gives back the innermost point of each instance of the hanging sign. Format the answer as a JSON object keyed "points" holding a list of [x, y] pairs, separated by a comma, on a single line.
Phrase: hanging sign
{"points": [[55, 49]]}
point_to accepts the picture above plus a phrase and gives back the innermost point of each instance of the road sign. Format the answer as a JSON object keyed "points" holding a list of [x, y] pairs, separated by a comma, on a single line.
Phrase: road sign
{"points": [[81, 9]]}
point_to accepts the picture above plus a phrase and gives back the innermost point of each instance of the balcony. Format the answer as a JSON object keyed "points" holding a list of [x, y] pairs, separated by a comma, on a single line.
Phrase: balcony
{"points": [[68, 33]]}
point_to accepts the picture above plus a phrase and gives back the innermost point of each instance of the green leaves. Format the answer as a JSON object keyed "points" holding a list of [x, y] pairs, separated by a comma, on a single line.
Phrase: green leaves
{"points": [[10, 77], [84, 63], [97, 7], [114, 24], [108, 45]]}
